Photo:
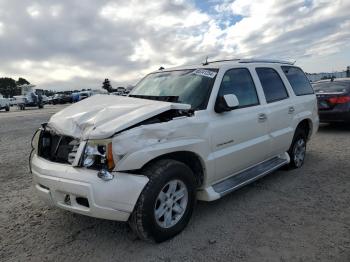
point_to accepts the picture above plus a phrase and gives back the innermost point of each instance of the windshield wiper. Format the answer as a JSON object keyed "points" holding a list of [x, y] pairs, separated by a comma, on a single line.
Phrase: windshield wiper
{"points": [[173, 99]]}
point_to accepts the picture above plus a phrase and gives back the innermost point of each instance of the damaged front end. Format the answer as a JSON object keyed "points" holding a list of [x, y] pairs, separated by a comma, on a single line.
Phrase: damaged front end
{"points": [[62, 149], [80, 148]]}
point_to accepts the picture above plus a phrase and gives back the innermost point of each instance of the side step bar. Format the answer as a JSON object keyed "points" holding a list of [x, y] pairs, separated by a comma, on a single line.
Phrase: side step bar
{"points": [[241, 179]]}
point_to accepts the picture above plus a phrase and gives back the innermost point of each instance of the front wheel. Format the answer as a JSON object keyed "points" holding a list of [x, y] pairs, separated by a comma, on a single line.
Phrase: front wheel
{"points": [[7, 108], [165, 205], [297, 150]]}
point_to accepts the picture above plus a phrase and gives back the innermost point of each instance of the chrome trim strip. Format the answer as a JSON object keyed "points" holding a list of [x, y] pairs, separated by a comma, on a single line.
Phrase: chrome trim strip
{"points": [[79, 153]]}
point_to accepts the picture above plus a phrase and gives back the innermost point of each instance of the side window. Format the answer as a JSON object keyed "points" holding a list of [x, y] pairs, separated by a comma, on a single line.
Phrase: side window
{"points": [[298, 80], [272, 84], [239, 82]]}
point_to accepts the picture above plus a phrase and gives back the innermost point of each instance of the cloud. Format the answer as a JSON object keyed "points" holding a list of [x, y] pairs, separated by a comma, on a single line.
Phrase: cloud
{"points": [[61, 44], [155, 14], [289, 29], [2, 28]]}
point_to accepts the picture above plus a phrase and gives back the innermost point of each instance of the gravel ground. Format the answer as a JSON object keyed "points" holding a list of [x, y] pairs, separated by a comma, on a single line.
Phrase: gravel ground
{"points": [[299, 215]]}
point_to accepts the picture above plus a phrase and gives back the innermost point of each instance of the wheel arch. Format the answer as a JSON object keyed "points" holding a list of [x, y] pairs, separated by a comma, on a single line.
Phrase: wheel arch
{"points": [[191, 159], [306, 125]]}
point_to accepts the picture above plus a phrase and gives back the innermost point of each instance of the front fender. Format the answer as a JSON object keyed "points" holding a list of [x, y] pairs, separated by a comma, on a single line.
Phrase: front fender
{"points": [[137, 159]]}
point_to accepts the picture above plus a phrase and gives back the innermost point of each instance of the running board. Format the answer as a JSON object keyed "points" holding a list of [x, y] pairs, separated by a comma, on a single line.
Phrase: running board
{"points": [[241, 179]]}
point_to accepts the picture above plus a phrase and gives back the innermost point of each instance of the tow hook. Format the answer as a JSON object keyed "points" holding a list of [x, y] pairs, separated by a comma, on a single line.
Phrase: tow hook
{"points": [[105, 175]]}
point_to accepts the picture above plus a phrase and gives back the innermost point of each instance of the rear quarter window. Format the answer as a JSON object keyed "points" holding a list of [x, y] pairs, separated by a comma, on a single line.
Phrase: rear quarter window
{"points": [[298, 80]]}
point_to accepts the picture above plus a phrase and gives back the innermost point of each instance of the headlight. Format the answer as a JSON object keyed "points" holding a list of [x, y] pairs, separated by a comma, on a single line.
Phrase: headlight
{"points": [[98, 154]]}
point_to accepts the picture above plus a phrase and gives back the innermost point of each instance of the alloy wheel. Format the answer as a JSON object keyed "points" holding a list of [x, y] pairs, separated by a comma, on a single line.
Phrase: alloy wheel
{"points": [[171, 203], [299, 152]]}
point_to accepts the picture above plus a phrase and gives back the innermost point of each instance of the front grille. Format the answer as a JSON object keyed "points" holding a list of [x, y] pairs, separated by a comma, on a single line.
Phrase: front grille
{"points": [[57, 148]]}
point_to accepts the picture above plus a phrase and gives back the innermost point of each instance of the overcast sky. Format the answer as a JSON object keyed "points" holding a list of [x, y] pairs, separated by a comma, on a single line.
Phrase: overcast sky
{"points": [[77, 43]]}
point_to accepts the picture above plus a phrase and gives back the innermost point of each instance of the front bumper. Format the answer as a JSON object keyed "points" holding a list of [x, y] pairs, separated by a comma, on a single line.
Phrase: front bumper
{"points": [[80, 190]]}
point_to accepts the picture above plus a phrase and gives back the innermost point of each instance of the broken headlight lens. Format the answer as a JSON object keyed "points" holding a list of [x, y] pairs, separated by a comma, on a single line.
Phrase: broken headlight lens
{"points": [[98, 154], [35, 140]]}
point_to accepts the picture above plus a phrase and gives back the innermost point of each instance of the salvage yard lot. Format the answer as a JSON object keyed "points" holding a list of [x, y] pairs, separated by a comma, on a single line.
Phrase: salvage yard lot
{"points": [[300, 215]]}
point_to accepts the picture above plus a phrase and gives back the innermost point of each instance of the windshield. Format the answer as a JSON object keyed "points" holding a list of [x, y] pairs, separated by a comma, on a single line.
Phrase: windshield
{"points": [[191, 86]]}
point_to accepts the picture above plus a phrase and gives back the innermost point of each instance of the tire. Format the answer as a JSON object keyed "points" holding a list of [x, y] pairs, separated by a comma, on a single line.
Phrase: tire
{"points": [[163, 175], [297, 150], [7, 108], [40, 106]]}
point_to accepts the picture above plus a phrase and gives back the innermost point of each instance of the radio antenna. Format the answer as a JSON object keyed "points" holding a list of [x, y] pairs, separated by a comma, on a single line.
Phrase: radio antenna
{"points": [[206, 61]]}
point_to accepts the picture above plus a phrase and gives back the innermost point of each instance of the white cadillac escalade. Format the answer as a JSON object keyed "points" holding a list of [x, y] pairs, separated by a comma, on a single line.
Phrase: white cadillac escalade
{"points": [[185, 133]]}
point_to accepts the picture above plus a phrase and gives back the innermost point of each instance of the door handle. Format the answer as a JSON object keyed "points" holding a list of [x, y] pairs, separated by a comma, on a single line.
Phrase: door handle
{"points": [[291, 110], [262, 117]]}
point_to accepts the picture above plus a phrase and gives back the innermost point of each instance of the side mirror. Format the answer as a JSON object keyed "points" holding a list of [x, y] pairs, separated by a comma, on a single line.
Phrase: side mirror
{"points": [[226, 103]]}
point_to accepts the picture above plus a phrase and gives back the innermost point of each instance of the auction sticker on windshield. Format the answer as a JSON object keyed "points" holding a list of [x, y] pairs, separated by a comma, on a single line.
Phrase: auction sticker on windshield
{"points": [[203, 72]]}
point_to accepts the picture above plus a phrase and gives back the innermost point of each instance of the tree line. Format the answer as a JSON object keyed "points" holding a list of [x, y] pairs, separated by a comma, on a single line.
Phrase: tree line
{"points": [[10, 87], [106, 84]]}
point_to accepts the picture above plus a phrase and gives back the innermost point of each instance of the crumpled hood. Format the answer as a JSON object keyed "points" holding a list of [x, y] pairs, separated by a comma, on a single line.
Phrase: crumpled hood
{"points": [[101, 116]]}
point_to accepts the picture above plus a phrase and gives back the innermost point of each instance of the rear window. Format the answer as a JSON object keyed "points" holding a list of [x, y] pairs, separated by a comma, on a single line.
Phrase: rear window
{"points": [[298, 80], [335, 86], [272, 84]]}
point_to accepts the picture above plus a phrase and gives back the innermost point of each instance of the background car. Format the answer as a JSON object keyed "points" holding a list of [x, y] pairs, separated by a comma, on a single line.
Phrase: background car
{"points": [[84, 94], [12, 101], [61, 99], [29, 99], [333, 98], [4, 103]]}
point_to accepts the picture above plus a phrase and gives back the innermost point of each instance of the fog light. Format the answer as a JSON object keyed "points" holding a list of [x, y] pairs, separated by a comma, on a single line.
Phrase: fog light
{"points": [[67, 200], [105, 175]]}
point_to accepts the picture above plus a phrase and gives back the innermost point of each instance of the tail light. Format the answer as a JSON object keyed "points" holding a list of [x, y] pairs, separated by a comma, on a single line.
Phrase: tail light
{"points": [[339, 100]]}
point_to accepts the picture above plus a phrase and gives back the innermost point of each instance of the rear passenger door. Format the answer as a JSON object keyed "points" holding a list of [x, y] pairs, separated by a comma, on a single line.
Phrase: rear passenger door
{"points": [[305, 102], [239, 139], [280, 110]]}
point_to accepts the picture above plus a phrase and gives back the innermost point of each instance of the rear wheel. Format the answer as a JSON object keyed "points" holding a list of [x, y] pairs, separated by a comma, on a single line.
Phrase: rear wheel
{"points": [[297, 150], [7, 108], [165, 205]]}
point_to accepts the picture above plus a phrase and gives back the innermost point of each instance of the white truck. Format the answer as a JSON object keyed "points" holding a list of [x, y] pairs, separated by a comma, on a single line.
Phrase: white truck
{"points": [[30, 97], [183, 134], [4, 103]]}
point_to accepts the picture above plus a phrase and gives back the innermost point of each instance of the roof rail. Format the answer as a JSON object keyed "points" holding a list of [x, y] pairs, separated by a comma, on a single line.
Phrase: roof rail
{"points": [[217, 61], [266, 61], [252, 60]]}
